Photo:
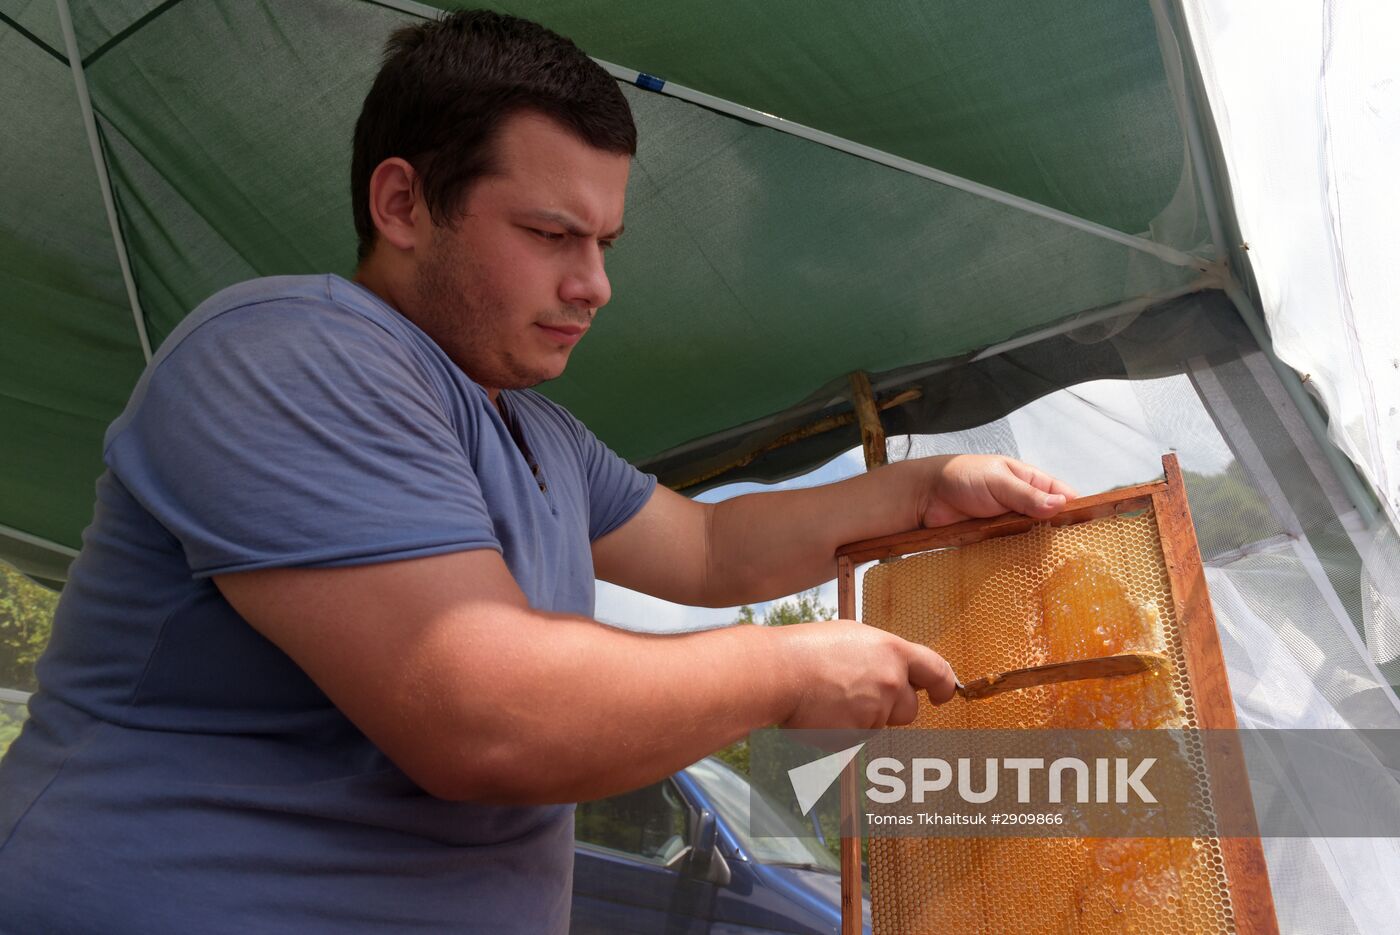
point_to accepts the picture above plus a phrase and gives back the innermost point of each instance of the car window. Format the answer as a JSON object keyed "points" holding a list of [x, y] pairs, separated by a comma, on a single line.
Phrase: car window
{"points": [[649, 823], [794, 844]]}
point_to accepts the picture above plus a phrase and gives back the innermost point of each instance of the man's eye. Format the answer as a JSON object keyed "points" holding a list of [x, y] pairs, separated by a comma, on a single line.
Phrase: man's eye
{"points": [[607, 244], [551, 236]]}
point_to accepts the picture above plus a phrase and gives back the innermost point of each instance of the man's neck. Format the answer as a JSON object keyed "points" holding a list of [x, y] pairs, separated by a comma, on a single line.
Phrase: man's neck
{"points": [[370, 275]]}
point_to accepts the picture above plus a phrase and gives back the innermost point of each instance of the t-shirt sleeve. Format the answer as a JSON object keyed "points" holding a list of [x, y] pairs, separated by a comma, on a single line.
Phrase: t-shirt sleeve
{"points": [[297, 433], [616, 489]]}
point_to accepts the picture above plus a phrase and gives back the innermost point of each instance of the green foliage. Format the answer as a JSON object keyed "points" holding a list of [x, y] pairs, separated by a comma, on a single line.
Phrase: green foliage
{"points": [[736, 756], [26, 616], [1227, 511], [11, 721], [801, 607]]}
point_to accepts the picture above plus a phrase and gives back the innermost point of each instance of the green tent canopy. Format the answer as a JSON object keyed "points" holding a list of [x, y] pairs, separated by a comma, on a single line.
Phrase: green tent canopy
{"points": [[935, 181]]}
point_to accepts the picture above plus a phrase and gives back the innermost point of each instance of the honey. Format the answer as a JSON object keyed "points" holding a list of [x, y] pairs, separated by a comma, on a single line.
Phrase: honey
{"points": [[1084, 611], [1050, 594]]}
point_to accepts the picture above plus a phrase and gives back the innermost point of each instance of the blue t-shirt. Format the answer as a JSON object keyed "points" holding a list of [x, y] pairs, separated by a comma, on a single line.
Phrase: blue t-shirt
{"points": [[178, 772]]}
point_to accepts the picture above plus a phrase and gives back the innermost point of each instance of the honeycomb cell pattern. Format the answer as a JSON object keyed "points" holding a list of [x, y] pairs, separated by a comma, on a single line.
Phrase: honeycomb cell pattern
{"points": [[1049, 594]]}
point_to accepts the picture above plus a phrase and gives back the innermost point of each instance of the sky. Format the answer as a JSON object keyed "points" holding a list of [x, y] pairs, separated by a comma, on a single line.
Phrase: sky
{"points": [[1095, 436]]}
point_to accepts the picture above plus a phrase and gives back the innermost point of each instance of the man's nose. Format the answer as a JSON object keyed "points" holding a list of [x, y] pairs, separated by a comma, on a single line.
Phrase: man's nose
{"points": [[586, 284]]}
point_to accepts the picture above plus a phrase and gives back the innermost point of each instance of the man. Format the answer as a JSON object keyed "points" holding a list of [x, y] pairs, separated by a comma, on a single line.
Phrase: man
{"points": [[326, 661]]}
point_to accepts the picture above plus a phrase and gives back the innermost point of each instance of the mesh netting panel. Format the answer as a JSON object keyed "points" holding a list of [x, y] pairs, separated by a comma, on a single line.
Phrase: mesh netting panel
{"points": [[1380, 591], [994, 438], [1011, 602]]}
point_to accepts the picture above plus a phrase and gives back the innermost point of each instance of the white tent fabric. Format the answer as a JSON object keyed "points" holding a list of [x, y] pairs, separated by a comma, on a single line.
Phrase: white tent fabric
{"points": [[1306, 101]]}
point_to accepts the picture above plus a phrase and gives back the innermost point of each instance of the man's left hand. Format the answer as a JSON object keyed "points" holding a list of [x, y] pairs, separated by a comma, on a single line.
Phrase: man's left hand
{"points": [[975, 486], [761, 546]]}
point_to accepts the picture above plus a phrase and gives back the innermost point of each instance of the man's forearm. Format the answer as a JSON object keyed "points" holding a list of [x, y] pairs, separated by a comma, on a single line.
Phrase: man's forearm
{"points": [[767, 545], [581, 710], [568, 710]]}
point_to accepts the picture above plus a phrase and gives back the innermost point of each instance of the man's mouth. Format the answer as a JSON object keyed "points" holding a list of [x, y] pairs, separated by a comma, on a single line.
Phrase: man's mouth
{"points": [[563, 333]]}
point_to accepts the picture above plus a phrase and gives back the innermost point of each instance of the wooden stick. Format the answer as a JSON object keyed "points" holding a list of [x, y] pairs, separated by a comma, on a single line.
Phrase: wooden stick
{"points": [[818, 427], [872, 432]]}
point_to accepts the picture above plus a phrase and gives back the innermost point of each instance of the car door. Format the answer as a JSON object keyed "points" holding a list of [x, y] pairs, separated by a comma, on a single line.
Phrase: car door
{"points": [[630, 866]]}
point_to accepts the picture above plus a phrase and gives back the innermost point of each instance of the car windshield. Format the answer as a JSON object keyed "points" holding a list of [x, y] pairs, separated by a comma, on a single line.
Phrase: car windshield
{"points": [[730, 794]]}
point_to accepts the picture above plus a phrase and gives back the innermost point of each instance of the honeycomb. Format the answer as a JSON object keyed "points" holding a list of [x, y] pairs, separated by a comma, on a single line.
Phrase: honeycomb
{"points": [[1084, 611], [1050, 594]]}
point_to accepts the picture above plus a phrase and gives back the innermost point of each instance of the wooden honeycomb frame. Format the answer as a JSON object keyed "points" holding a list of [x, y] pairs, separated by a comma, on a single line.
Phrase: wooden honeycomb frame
{"points": [[1250, 898]]}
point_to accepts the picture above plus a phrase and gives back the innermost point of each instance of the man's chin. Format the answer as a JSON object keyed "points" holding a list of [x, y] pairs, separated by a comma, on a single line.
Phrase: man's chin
{"points": [[537, 375]]}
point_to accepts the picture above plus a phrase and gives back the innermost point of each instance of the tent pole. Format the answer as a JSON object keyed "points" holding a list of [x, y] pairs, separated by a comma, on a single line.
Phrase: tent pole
{"points": [[1174, 63], [7, 532], [75, 62], [1163, 252], [35, 556]]}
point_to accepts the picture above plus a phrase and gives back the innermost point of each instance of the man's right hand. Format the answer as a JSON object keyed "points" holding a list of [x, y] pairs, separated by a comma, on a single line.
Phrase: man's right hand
{"points": [[852, 676]]}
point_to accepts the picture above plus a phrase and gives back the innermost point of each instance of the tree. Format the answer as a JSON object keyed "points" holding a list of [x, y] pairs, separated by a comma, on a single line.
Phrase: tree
{"points": [[1227, 510], [801, 607], [26, 616]]}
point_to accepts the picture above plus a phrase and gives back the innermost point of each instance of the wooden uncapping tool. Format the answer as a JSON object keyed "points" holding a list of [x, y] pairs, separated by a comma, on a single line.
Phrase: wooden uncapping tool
{"points": [[1098, 667]]}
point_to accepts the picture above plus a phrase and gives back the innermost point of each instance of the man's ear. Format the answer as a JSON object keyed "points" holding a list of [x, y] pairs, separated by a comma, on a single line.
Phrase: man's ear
{"points": [[394, 205]]}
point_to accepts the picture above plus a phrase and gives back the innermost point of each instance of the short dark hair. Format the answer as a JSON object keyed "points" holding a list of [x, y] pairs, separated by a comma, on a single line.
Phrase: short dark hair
{"points": [[447, 85]]}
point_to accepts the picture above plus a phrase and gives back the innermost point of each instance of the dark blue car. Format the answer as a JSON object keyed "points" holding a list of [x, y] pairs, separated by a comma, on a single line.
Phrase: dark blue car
{"points": [[677, 857]]}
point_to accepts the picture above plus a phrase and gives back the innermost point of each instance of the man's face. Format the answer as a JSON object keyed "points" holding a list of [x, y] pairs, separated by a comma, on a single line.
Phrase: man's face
{"points": [[510, 291]]}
